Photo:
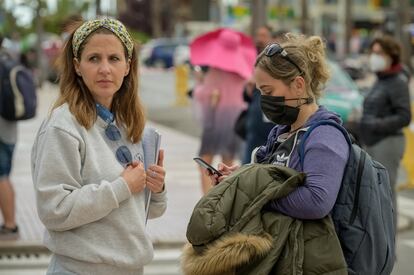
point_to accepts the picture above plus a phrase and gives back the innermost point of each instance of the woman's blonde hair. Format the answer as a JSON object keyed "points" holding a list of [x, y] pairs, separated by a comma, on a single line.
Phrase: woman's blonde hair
{"points": [[126, 104], [308, 53]]}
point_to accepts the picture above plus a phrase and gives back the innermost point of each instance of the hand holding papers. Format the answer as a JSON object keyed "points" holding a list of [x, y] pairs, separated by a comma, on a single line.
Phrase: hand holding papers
{"points": [[151, 145]]}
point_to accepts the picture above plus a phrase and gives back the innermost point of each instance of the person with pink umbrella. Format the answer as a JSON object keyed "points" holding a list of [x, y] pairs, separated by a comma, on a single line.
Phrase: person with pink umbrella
{"points": [[230, 56]]}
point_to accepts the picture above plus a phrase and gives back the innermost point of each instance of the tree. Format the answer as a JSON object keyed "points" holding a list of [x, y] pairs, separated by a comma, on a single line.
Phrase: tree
{"points": [[53, 21], [8, 22]]}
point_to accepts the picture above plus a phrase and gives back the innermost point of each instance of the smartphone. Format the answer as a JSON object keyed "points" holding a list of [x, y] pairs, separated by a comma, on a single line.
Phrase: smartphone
{"points": [[210, 168]]}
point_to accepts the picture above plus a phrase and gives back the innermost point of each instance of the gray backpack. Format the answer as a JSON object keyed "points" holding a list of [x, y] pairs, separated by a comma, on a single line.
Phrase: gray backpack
{"points": [[363, 211], [18, 100]]}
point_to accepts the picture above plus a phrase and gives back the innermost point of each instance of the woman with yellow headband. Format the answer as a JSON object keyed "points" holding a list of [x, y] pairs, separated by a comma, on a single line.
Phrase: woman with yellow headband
{"points": [[90, 164]]}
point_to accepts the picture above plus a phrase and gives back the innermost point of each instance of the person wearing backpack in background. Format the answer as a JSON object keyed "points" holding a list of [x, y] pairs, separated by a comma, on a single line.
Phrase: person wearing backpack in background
{"points": [[386, 109], [8, 139], [257, 127], [311, 139]]}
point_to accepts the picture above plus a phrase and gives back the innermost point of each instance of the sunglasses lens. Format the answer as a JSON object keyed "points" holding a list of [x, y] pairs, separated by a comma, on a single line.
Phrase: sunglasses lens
{"points": [[112, 132], [123, 155], [273, 49]]}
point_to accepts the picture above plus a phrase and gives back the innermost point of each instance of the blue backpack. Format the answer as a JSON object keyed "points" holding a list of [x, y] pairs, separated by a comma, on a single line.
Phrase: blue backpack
{"points": [[363, 211], [17, 90]]}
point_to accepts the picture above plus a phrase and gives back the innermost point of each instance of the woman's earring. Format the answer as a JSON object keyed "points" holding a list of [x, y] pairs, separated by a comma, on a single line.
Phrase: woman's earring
{"points": [[79, 73]]}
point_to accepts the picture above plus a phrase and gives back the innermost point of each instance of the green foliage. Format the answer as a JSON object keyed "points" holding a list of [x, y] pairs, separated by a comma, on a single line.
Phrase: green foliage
{"points": [[138, 36], [386, 3], [8, 24], [53, 22]]}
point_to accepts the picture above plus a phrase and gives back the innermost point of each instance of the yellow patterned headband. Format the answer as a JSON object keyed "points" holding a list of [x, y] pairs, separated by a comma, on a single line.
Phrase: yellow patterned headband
{"points": [[113, 25]]}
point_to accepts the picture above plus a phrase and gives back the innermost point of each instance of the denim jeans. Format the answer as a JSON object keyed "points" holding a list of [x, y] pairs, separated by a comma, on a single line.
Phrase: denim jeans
{"points": [[6, 157]]}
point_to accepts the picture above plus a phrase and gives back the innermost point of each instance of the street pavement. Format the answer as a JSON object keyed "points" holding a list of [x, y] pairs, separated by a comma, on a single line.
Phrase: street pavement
{"points": [[182, 181]]}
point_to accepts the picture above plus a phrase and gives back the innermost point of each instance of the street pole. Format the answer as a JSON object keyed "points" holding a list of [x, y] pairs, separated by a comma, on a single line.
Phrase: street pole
{"points": [[156, 18], [120, 7], [318, 24], [98, 8], [305, 17], [344, 10], [258, 8], [223, 13], [348, 25], [40, 61], [403, 12]]}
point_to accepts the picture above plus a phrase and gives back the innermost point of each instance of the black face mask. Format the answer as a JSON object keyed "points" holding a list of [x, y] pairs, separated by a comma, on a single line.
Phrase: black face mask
{"points": [[277, 111]]}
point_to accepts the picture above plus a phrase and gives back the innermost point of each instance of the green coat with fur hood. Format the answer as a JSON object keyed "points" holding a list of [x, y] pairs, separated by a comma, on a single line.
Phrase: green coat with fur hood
{"points": [[230, 232]]}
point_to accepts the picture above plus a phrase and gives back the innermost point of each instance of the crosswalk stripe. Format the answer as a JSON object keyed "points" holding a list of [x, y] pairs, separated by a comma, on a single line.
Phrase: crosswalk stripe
{"points": [[409, 243], [405, 207]]}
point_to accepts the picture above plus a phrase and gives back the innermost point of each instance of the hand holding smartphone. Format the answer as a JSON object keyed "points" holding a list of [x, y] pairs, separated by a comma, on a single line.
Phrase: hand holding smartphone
{"points": [[207, 166]]}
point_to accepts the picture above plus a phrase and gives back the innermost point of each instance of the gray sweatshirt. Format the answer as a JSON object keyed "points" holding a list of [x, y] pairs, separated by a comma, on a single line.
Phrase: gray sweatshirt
{"points": [[86, 206]]}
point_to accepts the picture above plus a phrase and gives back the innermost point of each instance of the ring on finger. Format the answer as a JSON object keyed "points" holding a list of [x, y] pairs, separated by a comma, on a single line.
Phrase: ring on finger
{"points": [[153, 174]]}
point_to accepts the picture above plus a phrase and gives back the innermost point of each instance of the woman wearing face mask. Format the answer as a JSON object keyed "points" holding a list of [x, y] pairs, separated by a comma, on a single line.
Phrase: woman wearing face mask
{"points": [[386, 107], [290, 78]]}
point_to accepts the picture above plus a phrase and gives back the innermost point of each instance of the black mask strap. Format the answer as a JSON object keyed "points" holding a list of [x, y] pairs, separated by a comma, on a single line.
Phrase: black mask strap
{"points": [[307, 100]]}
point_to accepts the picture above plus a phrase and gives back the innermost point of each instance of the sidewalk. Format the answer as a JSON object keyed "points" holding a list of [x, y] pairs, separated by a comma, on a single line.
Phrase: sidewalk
{"points": [[182, 183]]}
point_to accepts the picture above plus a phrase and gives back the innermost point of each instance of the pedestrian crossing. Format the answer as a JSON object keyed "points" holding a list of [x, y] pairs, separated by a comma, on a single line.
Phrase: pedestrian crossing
{"points": [[405, 207], [409, 243], [166, 262], [24, 263]]}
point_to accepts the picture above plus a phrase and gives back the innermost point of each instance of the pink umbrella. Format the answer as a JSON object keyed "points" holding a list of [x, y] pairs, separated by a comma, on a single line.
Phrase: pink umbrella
{"points": [[225, 49]]}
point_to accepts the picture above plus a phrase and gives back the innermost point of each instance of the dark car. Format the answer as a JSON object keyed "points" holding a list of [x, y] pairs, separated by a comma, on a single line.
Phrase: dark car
{"points": [[160, 52]]}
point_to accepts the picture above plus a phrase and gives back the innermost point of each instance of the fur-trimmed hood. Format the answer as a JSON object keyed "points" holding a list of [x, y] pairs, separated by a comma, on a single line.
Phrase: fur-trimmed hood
{"points": [[231, 232], [225, 255]]}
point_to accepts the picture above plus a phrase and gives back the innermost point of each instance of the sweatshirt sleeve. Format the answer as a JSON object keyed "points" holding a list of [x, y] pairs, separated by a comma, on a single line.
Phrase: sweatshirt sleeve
{"points": [[64, 201], [326, 155], [158, 204]]}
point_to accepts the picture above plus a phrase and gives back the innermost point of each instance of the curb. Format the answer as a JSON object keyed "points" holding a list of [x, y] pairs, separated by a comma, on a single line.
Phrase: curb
{"points": [[168, 245], [22, 247]]}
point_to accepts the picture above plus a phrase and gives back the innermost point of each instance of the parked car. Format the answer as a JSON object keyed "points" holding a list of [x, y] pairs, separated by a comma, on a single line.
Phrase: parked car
{"points": [[341, 94], [160, 52]]}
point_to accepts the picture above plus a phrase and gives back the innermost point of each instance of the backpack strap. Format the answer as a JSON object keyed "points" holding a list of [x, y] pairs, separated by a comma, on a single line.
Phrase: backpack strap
{"points": [[355, 207], [309, 131]]}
